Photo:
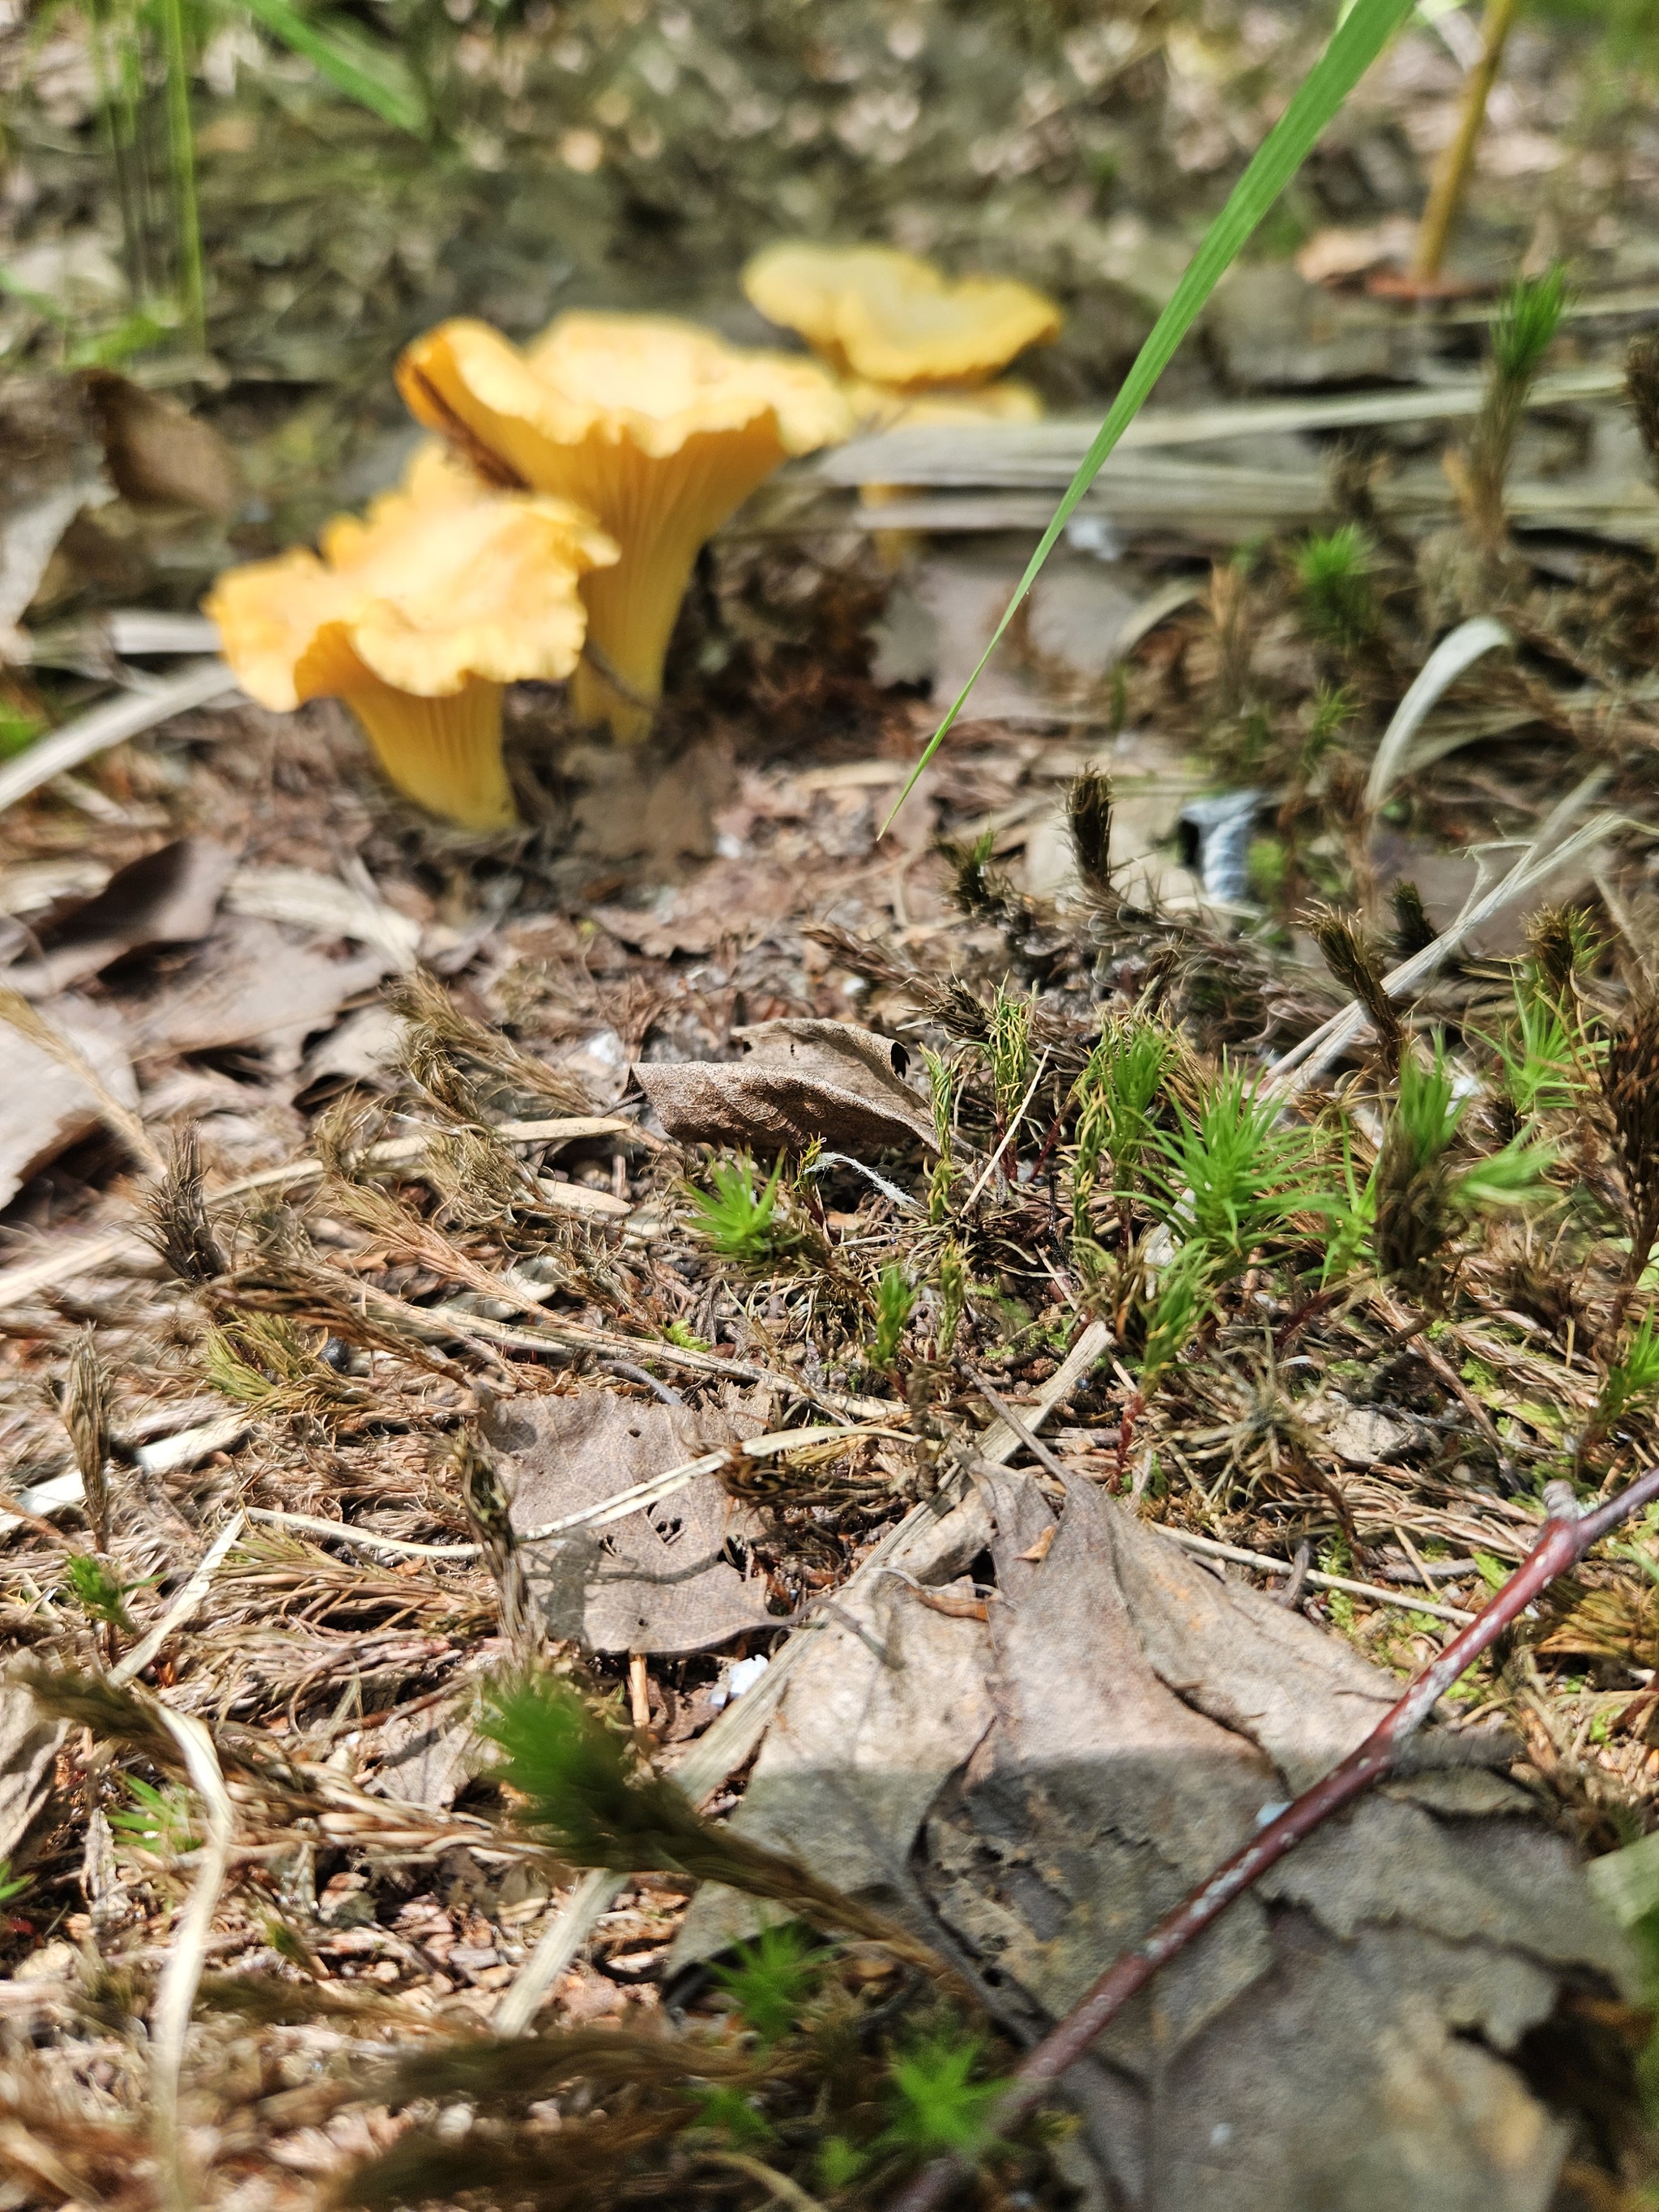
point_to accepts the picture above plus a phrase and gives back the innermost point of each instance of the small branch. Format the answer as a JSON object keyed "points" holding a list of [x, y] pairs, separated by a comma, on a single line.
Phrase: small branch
{"points": [[1565, 1538], [1451, 178]]}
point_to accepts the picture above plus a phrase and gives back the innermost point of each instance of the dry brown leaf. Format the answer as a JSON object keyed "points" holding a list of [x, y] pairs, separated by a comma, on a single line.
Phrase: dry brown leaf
{"points": [[251, 983], [170, 897], [159, 454], [1336, 2042], [655, 1581], [44, 1105], [801, 1082]]}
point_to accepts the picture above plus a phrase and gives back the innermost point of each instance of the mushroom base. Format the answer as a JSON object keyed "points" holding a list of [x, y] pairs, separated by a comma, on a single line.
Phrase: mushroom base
{"points": [[445, 754], [631, 612]]}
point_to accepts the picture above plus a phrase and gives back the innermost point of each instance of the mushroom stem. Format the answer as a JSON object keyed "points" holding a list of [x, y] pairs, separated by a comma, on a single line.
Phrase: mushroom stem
{"points": [[631, 612], [445, 754]]}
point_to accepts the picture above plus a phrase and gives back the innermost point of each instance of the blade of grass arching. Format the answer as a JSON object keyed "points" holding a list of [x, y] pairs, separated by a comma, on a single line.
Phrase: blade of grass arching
{"points": [[376, 80], [1354, 47], [182, 159]]}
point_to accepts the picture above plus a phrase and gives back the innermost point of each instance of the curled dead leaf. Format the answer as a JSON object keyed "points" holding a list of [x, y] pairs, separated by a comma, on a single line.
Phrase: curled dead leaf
{"points": [[801, 1082]]}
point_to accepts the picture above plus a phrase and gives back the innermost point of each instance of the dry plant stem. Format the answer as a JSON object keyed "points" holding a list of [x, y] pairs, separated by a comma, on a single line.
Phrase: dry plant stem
{"points": [[1565, 1538], [1451, 178], [181, 1977], [182, 1606]]}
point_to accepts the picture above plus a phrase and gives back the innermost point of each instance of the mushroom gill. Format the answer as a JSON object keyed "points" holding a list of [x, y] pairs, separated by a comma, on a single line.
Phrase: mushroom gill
{"points": [[658, 428], [417, 617]]}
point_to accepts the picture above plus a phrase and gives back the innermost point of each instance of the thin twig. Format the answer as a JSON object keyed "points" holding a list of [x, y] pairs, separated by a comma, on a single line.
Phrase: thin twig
{"points": [[182, 1606], [175, 1993], [1564, 1541]]}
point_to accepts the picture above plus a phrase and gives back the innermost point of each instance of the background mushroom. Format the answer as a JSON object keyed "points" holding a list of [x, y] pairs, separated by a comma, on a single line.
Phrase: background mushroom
{"points": [[912, 347], [658, 428], [891, 318], [416, 617]]}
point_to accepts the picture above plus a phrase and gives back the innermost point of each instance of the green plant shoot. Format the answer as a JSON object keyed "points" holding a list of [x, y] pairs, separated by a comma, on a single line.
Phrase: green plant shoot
{"points": [[1358, 39]]}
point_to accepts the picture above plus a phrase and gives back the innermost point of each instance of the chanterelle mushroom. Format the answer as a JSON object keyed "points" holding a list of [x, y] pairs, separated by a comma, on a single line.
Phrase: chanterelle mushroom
{"points": [[891, 318], [416, 616], [658, 428]]}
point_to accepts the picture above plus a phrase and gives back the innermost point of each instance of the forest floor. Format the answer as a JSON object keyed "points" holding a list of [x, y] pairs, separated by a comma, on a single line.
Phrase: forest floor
{"points": [[935, 1336]]}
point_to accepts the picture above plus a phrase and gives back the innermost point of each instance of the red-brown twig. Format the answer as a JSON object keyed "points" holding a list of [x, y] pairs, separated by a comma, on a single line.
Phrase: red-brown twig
{"points": [[1565, 1538]]}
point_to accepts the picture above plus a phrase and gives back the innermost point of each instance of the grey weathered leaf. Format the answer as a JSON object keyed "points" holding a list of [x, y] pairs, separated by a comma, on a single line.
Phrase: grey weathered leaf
{"points": [[45, 1106], [28, 1744], [801, 1081], [655, 1580], [1341, 2047], [169, 896], [1338, 2040], [888, 1700]]}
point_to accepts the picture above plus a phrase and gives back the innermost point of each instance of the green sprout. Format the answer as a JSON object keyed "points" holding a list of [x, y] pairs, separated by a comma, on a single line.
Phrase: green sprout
{"points": [[1632, 1380], [895, 1297], [99, 1593], [952, 1294], [1172, 1312], [1418, 1199], [1009, 1047], [1333, 576], [937, 2107], [737, 1219], [728, 2111], [1114, 1096], [13, 1885], [942, 1083], [1231, 1177], [770, 1980], [1522, 332], [157, 1821]]}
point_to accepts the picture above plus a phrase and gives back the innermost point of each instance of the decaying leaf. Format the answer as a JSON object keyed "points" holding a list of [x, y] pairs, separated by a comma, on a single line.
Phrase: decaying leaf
{"points": [[159, 454], [45, 1106], [169, 896], [28, 1744], [1337, 2040], [251, 983], [656, 1581], [889, 1701], [801, 1081]]}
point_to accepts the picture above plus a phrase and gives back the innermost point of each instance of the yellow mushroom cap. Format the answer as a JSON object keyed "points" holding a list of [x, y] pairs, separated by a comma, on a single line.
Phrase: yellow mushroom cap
{"points": [[659, 429], [443, 580], [893, 319], [445, 591]]}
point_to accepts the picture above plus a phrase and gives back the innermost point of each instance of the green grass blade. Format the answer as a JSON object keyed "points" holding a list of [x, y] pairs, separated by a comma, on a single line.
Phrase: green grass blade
{"points": [[374, 79], [1355, 46]]}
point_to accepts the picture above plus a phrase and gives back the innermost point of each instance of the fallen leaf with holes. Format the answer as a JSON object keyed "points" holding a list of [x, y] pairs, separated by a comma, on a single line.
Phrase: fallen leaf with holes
{"points": [[657, 1581], [1116, 1728], [799, 1082]]}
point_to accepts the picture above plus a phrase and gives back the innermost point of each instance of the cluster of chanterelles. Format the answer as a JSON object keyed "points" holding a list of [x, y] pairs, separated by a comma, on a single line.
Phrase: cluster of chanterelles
{"points": [[552, 531]]}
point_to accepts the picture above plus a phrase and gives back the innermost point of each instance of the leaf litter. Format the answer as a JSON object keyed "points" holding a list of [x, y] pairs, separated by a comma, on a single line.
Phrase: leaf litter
{"points": [[448, 1305]]}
